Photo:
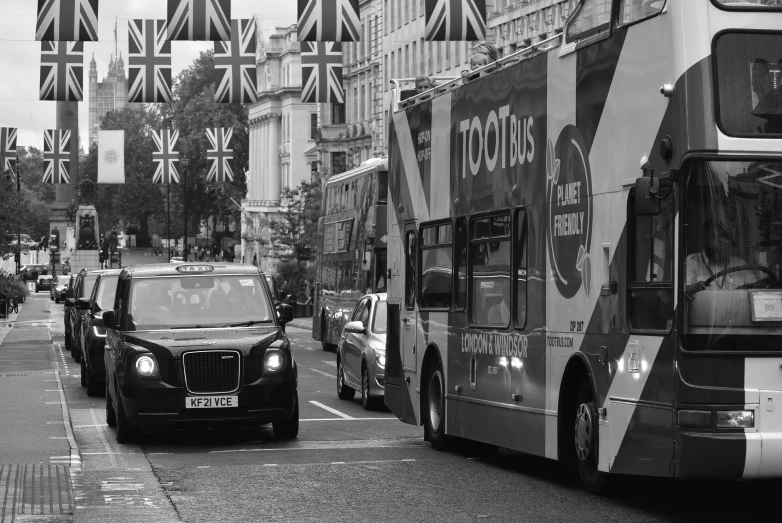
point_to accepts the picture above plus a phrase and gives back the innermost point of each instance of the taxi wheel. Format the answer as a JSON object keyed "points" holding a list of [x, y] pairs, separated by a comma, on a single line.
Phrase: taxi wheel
{"points": [[111, 416], [344, 391], [126, 433], [67, 342], [93, 387], [586, 441], [84, 373], [75, 351], [434, 411], [367, 401], [289, 428]]}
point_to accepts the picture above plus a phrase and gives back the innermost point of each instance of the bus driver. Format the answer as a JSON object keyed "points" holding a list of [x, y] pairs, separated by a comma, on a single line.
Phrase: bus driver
{"points": [[713, 259]]}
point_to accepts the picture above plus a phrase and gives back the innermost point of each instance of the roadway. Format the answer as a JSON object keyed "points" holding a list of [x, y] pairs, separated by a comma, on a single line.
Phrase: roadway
{"points": [[347, 464]]}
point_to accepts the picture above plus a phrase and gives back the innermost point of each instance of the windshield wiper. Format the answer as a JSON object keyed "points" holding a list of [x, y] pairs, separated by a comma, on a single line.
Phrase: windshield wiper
{"points": [[246, 323]]}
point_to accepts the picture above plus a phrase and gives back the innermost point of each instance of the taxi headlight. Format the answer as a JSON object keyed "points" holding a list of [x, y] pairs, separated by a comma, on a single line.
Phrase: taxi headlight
{"points": [[735, 419], [380, 357], [274, 360], [99, 332], [146, 366]]}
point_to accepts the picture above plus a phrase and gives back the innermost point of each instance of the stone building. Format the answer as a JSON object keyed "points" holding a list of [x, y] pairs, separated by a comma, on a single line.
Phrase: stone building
{"points": [[282, 141], [110, 94], [515, 24]]}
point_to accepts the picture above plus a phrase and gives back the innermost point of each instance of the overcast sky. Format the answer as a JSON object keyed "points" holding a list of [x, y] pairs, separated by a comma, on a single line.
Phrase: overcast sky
{"points": [[20, 55]]}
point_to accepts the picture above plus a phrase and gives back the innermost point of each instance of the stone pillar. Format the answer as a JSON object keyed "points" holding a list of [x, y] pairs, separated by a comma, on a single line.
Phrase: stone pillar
{"points": [[253, 160], [265, 161], [275, 176]]}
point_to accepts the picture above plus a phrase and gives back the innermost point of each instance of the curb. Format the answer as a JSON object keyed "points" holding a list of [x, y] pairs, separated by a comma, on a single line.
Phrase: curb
{"points": [[66, 421]]}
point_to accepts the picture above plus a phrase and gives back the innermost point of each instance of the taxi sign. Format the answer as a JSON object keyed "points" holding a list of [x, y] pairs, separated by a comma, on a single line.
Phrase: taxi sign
{"points": [[195, 268]]}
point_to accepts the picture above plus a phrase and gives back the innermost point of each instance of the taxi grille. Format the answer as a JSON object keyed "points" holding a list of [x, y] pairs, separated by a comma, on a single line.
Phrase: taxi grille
{"points": [[211, 372]]}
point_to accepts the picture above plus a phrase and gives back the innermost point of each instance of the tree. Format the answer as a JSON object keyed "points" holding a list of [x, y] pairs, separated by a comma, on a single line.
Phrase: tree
{"points": [[294, 235]]}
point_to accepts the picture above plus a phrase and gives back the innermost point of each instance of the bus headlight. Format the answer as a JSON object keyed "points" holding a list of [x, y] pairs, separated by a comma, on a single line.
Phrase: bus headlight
{"points": [[380, 358], [735, 419], [146, 366], [274, 360]]}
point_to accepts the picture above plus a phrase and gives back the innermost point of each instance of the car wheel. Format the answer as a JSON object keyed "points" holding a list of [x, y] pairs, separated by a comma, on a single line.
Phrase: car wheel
{"points": [[93, 387], [111, 416], [586, 441], [289, 428], [57, 300], [84, 373], [434, 413], [75, 352], [344, 391], [67, 342], [125, 433], [366, 401]]}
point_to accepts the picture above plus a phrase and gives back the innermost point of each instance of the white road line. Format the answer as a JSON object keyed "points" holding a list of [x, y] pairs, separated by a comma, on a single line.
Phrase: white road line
{"points": [[103, 440], [100, 453], [333, 411], [328, 362], [324, 373], [88, 426], [347, 419], [330, 448]]}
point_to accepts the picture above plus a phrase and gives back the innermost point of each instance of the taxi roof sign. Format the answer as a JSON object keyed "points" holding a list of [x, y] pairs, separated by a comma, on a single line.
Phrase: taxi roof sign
{"points": [[195, 268]]}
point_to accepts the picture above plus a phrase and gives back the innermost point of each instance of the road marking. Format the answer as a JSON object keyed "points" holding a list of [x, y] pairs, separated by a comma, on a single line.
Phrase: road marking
{"points": [[335, 445], [88, 426], [332, 363], [58, 437], [53, 402], [106, 446], [100, 453], [333, 411], [347, 419], [160, 453], [324, 373]]}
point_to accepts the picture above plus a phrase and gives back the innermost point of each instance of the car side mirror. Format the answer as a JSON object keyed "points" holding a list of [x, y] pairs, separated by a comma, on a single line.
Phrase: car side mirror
{"points": [[647, 196], [356, 327], [82, 304], [70, 302], [109, 319], [285, 313]]}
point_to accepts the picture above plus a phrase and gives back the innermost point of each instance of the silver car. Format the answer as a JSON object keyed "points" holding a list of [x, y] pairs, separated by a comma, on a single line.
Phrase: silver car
{"points": [[361, 354]]}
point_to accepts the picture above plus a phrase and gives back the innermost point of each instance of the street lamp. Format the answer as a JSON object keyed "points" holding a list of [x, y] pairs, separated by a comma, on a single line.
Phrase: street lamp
{"points": [[18, 217]]}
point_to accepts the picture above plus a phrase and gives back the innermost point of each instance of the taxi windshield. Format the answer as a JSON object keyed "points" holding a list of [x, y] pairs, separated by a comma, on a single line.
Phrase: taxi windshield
{"points": [[733, 249], [197, 302], [89, 284], [106, 292]]}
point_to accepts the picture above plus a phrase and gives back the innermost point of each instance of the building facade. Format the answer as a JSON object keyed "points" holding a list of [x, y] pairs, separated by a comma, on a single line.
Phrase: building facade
{"points": [[110, 94], [515, 24], [282, 142]]}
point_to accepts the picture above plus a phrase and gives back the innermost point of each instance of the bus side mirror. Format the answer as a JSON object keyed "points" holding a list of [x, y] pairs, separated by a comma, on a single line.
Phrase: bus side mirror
{"points": [[647, 196]]}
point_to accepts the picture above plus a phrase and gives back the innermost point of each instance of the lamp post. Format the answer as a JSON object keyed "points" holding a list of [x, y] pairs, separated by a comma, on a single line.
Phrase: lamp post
{"points": [[18, 216]]}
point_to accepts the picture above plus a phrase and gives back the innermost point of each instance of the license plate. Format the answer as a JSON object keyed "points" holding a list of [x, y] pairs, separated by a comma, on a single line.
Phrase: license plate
{"points": [[212, 402], [766, 306]]}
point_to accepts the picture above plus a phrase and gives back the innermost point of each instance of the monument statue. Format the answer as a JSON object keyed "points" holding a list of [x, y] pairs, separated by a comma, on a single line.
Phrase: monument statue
{"points": [[86, 217]]}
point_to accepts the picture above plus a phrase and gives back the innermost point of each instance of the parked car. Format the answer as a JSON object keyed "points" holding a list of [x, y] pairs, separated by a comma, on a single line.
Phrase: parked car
{"points": [[361, 353], [177, 259], [82, 288], [198, 345], [44, 282], [59, 288], [93, 333], [32, 272]]}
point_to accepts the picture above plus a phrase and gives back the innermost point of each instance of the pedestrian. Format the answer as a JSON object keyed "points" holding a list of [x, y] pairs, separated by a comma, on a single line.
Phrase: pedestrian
{"points": [[423, 83], [483, 54]]}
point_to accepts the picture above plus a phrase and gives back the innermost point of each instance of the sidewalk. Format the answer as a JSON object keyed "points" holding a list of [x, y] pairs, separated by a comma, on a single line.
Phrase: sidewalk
{"points": [[38, 448]]}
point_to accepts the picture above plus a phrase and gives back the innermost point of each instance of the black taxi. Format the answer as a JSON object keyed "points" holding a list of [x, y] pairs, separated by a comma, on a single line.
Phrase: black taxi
{"points": [[198, 344]]}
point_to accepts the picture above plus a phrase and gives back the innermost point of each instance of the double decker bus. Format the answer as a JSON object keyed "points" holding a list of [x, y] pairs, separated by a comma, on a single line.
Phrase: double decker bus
{"points": [[600, 282], [352, 248]]}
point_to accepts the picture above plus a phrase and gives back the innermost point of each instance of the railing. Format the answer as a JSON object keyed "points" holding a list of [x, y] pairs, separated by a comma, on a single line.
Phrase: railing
{"points": [[521, 55]]}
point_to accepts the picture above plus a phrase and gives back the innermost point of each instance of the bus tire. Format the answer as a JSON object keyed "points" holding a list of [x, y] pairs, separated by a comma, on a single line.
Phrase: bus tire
{"points": [[587, 441], [434, 411], [344, 391]]}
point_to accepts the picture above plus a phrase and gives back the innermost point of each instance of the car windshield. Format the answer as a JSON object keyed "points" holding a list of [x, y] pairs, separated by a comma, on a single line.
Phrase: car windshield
{"points": [[197, 302], [89, 284], [733, 250], [106, 292], [381, 317]]}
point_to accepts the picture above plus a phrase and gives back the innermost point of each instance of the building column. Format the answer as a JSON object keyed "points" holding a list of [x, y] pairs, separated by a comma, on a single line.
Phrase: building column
{"points": [[257, 169], [275, 175], [263, 180], [253, 157]]}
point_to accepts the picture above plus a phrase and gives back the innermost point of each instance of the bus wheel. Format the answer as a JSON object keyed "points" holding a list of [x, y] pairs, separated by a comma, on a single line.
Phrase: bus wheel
{"points": [[344, 391], [586, 440], [434, 413]]}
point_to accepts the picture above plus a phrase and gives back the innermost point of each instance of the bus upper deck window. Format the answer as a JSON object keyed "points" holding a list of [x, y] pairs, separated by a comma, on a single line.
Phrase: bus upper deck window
{"points": [[592, 17], [635, 10]]}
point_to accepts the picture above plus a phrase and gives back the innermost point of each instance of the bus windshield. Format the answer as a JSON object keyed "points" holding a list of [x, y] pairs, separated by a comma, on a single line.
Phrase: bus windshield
{"points": [[733, 249], [752, 4]]}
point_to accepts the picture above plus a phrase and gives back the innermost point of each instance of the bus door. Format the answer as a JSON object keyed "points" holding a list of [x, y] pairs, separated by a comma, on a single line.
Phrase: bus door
{"points": [[409, 309]]}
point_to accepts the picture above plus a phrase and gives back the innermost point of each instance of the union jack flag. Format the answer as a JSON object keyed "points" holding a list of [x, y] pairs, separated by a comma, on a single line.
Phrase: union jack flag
{"points": [[67, 20], [62, 71], [235, 65], [149, 62], [199, 20], [321, 69], [8, 148], [56, 156], [329, 21], [219, 153], [457, 20], [166, 156]]}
